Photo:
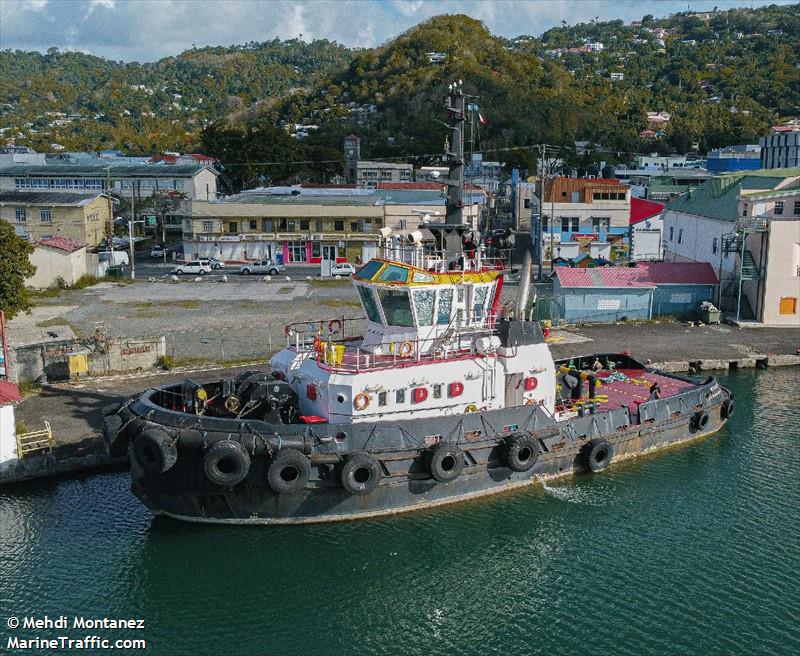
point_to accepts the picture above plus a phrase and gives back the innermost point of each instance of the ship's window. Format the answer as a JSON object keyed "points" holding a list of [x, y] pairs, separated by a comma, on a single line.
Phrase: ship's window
{"points": [[423, 304], [478, 300], [400, 396], [460, 296], [445, 306], [396, 307], [437, 391], [427, 277], [393, 273], [369, 303], [368, 270], [381, 398]]}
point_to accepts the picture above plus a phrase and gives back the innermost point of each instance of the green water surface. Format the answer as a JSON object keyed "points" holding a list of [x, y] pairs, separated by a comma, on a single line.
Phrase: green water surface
{"points": [[695, 550]]}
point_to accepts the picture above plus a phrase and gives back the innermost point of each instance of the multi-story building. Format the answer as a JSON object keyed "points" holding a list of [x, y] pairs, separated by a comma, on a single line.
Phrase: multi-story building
{"points": [[298, 225], [82, 173], [781, 148], [747, 226], [42, 215], [369, 174], [745, 157], [591, 209]]}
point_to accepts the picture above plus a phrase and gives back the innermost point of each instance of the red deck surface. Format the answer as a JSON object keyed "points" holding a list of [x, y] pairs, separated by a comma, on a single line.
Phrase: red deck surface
{"points": [[635, 390]]}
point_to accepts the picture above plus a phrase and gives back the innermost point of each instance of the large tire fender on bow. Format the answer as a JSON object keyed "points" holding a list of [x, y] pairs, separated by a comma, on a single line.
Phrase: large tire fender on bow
{"points": [[360, 473], [521, 452], [154, 451], [289, 471], [598, 454], [226, 463], [726, 411], [445, 462], [700, 420], [112, 435]]}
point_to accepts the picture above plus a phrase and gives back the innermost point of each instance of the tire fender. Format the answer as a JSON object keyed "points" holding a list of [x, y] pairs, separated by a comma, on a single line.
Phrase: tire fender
{"points": [[289, 471], [522, 452], [226, 463], [445, 462], [360, 474], [598, 453], [154, 451]]}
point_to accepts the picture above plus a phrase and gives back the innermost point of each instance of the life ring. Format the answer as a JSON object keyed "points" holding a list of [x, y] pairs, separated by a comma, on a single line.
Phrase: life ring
{"points": [[599, 454], [445, 462], [405, 349], [361, 401], [226, 463], [728, 406], [154, 451], [522, 452], [471, 408], [289, 471], [334, 326], [360, 474], [700, 420]]}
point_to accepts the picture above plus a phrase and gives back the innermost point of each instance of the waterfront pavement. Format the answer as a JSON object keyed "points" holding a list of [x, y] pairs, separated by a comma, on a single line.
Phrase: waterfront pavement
{"points": [[74, 409]]}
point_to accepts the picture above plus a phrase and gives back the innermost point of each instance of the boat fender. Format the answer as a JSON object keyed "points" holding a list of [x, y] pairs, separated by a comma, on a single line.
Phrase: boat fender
{"points": [[154, 451], [360, 473], [598, 454], [727, 408], [522, 451], [111, 408], [445, 462], [289, 471], [226, 463], [700, 420], [361, 401], [112, 427]]}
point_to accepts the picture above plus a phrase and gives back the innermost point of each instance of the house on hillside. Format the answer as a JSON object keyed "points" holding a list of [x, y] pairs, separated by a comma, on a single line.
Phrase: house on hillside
{"points": [[747, 226]]}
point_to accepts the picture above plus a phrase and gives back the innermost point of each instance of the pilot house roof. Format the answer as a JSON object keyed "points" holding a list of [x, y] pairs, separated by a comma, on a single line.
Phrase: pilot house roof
{"points": [[387, 272]]}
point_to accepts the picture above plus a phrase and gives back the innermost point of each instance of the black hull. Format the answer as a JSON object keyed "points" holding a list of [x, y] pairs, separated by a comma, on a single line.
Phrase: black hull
{"points": [[185, 492]]}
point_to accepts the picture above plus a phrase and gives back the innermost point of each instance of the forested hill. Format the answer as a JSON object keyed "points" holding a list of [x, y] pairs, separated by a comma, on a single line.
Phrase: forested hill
{"points": [[723, 76], [153, 106]]}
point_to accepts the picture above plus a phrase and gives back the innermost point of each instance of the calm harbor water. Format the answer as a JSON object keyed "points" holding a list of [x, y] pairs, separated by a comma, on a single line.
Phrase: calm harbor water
{"points": [[692, 551]]}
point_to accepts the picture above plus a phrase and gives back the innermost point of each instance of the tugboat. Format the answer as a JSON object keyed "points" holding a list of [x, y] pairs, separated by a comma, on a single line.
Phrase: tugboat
{"points": [[437, 395]]}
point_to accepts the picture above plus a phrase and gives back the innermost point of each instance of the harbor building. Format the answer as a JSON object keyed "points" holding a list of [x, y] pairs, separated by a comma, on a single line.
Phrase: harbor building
{"points": [[747, 226], [42, 215], [745, 157], [781, 147]]}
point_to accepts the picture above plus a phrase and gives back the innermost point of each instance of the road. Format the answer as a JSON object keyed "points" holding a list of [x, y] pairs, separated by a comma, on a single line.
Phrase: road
{"points": [[148, 267]]}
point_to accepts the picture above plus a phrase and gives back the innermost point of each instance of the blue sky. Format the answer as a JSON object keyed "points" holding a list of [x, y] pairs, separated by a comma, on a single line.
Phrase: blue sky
{"points": [[145, 30]]}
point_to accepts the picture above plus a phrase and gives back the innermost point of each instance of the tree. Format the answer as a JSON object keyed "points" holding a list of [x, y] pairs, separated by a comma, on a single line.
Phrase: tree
{"points": [[15, 267]]}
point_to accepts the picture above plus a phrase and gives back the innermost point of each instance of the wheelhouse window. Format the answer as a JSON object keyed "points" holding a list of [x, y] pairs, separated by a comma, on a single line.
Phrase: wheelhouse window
{"points": [[368, 270], [445, 307], [423, 304], [396, 307], [393, 273], [369, 303], [478, 302]]}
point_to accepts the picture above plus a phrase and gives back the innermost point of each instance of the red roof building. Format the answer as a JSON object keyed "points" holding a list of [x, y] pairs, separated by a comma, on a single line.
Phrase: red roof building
{"points": [[679, 273], [9, 393], [612, 277], [642, 209], [62, 243]]}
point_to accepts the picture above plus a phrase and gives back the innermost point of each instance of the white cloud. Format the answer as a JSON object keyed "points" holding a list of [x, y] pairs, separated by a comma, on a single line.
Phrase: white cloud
{"points": [[139, 30]]}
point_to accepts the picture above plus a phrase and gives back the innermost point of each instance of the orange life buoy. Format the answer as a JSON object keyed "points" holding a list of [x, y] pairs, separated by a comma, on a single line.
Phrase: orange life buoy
{"points": [[361, 402], [334, 326], [406, 348]]}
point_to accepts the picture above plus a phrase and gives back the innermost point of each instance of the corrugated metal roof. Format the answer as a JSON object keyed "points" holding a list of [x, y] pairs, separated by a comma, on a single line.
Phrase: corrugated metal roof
{"points": [[679, 273], [51, 198], [70, 169], [644, 274], [9, 393], [612, 277]]}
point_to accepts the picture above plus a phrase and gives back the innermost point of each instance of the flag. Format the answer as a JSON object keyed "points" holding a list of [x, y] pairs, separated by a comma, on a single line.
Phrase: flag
{"points": [[482, 118]]}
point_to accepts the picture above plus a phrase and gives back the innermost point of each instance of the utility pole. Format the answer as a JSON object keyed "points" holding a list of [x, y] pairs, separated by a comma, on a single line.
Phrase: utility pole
{"points": [[110, 214]]}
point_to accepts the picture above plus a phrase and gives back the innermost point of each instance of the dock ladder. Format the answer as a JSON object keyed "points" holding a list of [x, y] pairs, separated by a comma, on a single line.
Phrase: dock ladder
{"points": [[34, 441]]}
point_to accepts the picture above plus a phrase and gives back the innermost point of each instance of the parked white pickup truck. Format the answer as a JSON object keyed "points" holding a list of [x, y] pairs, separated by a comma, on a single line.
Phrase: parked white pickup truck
{"points": [[268, 267]]}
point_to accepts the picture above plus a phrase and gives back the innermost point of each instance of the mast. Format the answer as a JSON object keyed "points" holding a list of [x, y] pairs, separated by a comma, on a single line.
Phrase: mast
{"points": [[455, 106]]}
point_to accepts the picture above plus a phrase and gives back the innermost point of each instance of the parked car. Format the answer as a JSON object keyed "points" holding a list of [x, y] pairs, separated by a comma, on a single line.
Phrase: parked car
{"points": [[159, 249], [343, 269], [198, 267], [215, 263], [268, 267]]}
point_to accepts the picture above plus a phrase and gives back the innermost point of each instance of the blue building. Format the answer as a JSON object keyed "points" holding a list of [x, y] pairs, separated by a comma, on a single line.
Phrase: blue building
{"points": [[745, 157]]}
